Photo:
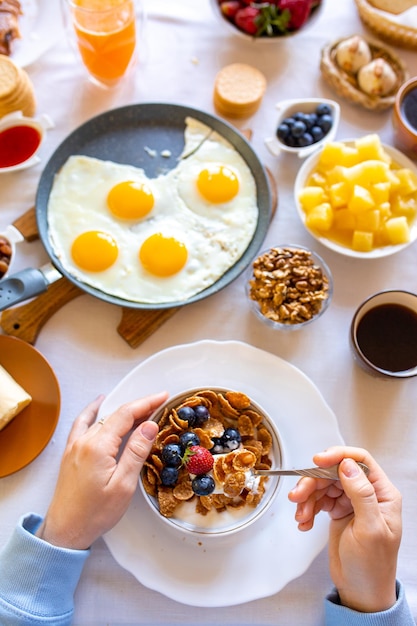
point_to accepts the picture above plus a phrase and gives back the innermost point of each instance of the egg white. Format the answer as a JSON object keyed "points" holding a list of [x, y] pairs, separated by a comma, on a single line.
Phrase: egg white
{"points": [[215, 236]]}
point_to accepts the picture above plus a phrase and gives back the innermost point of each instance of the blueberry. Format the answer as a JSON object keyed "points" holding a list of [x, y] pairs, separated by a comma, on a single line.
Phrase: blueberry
{"points": [[217, 445], [172, 455], [317, 133], [305, 140], [325, 122], [201, 414], [312, 120], [203, 485], [230, 439], [323, 109], [289, 121], [298, 129], [283, 131], [169, 476], [189, 439], [187, 414]]}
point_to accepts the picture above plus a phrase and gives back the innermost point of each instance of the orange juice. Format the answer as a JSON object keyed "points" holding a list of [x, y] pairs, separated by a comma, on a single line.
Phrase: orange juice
{"points": [[106, 36]]}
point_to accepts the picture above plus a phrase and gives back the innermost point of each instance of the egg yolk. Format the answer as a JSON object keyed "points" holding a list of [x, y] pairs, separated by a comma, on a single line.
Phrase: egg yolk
{"points": [[217, 183], [130, 200], [94, 251], [163, 256]]}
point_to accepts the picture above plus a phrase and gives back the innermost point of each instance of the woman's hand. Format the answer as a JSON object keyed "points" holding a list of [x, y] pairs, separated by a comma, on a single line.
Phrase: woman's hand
{"points": [[365, 528], [95, 485]]}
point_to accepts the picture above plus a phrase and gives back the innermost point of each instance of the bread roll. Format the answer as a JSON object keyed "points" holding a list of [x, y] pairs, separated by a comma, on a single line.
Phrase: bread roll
{"points": [[393, 6], [13, 398]]}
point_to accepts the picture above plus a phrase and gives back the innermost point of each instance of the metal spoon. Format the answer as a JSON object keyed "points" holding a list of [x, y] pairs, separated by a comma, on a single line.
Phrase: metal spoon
{"points": [[332, 473]]}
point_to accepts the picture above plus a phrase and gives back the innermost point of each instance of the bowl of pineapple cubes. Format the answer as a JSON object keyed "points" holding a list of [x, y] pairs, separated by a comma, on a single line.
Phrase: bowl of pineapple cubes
{"points": [[359, 197]]}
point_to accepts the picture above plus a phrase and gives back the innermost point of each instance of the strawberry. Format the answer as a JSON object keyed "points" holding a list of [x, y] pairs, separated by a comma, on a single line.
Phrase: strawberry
{"points": [[198, 460], [229, 8], [299, 12], [245, 19]]}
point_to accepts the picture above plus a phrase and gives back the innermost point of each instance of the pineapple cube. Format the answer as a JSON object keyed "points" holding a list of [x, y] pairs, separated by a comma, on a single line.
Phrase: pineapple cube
{"points": [[339, 194], [349, 156], [380, 192], [385, 210], [360, 200], [330, 155], [408, 181], [310, 197], [316, 179], [368, 220], [320, 217], [344, 220], [370, 148], [367, 173], [404, 206], [398, 230], [362, 241]]}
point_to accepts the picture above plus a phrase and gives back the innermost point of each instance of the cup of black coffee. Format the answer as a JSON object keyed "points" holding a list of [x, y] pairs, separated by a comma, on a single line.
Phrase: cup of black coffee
{"points": [[383, 334], [404, 118]]}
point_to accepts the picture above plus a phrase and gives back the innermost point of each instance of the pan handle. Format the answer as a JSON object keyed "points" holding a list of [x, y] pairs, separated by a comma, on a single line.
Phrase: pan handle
{"points": [[22, 286]]}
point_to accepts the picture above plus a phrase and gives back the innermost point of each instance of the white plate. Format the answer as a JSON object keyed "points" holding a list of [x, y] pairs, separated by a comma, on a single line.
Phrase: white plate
{"points": [[261, 560], [41, 27]]}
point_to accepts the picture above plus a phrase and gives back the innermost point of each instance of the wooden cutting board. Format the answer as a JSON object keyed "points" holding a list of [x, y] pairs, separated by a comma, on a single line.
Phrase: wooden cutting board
{"points": [[27, 320]]}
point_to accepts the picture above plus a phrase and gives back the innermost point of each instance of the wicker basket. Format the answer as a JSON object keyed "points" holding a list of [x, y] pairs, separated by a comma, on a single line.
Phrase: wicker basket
{"points": [[385, 28], [346, 85]]}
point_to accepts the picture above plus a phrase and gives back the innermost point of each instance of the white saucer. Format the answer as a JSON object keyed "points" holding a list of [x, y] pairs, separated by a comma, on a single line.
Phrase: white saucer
{"points": [[41, 27], [260, 561]]}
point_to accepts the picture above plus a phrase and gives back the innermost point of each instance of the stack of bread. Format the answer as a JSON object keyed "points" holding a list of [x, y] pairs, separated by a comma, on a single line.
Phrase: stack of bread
{"points": [[16, 89]]}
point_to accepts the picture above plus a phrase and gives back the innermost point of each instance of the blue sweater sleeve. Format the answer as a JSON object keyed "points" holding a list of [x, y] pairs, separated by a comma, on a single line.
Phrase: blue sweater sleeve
{"points": [[338, 615], [37, 579]]}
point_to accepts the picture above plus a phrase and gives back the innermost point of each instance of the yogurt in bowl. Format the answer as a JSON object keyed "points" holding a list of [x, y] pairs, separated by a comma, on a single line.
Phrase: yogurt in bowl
{"points": [[221, 496]]}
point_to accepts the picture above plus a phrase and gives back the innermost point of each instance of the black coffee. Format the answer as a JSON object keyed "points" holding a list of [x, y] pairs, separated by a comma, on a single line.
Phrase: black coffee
{"points": [[387, 336], [409, 108]]}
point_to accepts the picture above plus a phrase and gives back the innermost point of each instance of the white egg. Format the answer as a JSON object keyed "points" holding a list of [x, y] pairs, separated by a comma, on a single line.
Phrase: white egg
{"points": [[150, 240]]}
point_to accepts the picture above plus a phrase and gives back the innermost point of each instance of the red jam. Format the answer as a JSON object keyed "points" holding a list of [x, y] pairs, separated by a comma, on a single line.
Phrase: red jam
{"points": [[18, 144]]}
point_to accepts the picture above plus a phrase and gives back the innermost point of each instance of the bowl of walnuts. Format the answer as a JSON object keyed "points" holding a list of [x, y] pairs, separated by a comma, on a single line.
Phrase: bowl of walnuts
{"points": [[288, 287], [199, 477]]}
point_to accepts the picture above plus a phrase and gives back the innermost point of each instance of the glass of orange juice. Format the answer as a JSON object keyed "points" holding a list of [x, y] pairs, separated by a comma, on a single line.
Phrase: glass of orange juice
{"points": [[105, 32]]}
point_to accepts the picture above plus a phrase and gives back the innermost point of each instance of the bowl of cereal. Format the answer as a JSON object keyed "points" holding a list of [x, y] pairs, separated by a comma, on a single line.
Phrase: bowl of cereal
{"points": [[199, 477], [358, 197], [288, 286]]}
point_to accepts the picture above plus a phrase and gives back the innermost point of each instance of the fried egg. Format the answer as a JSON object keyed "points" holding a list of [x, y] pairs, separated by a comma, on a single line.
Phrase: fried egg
{"points": [[154, 240]]}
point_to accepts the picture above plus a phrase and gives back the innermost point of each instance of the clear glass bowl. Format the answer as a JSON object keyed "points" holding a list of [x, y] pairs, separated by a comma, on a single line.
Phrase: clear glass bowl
{"points": [[293, 298], [225, 523]]}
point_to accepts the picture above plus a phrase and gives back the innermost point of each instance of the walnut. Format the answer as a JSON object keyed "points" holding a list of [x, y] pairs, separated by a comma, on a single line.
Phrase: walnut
{"points": [[288, 286]]}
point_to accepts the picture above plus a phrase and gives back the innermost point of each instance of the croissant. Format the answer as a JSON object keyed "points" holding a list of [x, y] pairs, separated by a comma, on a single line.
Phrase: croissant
{"points": [[9, 27]]}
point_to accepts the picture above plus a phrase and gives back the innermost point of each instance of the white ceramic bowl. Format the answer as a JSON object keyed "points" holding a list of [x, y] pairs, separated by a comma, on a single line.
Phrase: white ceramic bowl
{"points": [[223, 524], [300, 182], [17, 120], [287, 108], [10, 236], [286, 325], [232, 28]]}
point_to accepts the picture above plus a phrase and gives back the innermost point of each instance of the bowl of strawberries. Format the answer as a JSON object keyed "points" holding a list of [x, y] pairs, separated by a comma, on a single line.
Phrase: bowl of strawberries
{"points": [[200, 477], [266, 21]]}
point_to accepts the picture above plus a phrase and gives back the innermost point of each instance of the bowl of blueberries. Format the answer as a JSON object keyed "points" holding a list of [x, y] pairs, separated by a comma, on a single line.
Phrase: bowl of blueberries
{"points": [[303, 126], [200, 478]]}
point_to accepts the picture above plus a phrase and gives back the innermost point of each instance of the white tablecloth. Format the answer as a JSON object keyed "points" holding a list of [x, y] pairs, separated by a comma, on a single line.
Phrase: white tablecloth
{"points": [[181, 49]]}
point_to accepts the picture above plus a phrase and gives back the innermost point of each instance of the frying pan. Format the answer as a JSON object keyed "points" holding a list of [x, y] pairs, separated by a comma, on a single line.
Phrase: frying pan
{"points": [[135, 135]]}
